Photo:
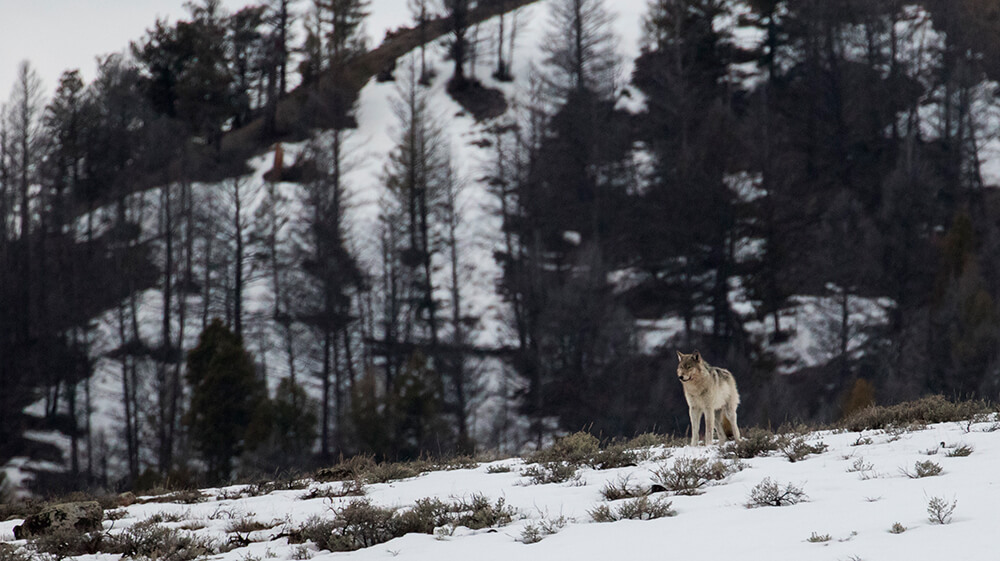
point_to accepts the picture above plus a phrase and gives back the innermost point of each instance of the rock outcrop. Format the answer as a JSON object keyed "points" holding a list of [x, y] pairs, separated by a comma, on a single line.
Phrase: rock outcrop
{"points": [[82, 516]]}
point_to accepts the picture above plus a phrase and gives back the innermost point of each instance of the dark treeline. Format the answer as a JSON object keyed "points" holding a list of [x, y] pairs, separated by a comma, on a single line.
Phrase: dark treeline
{"points": [[838, 158]]}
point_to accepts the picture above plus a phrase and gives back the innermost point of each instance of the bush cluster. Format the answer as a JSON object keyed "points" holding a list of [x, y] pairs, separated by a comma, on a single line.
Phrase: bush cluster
{"points": [[687, 476], [143, 540], [366, 470], [362, 524], [931, 409], [641, 508]]}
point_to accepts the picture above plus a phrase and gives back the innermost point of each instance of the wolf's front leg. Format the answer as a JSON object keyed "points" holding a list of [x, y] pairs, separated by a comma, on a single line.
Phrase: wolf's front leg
{"points": [[709, 426], [695, 414]]}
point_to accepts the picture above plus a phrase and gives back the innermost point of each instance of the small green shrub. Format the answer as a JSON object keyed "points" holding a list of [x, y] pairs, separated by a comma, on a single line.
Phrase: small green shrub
{"points": [[615, 456], [423, 517], [363, 524], [770, 493], [647, 440], [796, 448], [818, 538], [323, 532], [578, 448], [478, 512], [926, 468], [641, 508], [687, 476], [550, 472], [755, 442], [939, 510], [897, 528]]}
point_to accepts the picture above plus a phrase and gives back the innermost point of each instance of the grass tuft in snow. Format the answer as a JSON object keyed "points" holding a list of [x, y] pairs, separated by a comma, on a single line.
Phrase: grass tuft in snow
{"points": [[500, 468], [535, 532], [865, 470], [770, 493], [818, 538], [687, 476], [961, 451], [248, 524], [641, 508], [939, 510], [897, 528], [926, 468]]}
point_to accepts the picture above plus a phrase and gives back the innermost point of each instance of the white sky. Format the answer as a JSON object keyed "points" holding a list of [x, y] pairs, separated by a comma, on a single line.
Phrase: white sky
{"points": [[57, 35]]}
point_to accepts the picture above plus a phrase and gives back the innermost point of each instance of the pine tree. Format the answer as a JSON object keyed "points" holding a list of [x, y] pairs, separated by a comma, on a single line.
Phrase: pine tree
{"points": [[227, 413]]}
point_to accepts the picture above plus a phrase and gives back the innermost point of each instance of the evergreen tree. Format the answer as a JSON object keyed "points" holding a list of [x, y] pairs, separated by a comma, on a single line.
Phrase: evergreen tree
{"points": [[229, 404]]}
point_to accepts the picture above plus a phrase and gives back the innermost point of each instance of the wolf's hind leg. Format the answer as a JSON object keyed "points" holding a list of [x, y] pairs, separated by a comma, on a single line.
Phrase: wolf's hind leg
{"points": [[720, 426], [731, 415]]}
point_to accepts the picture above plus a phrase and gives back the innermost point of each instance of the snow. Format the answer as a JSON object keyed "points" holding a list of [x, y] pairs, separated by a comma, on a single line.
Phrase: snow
{"points": [[855, 509]]}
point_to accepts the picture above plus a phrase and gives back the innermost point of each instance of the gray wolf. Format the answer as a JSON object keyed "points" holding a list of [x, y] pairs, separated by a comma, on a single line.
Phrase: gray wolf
{"points": [[710, 391]]}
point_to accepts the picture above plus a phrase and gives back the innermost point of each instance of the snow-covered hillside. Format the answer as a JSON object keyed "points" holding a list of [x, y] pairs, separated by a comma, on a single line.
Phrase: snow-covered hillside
{"points": [[855, 492], [811, 321]]}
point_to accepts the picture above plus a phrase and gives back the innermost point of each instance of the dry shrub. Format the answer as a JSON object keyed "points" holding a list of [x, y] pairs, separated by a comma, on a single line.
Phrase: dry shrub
{"points": [[641, 508], [755, 442], [687, 476], [931, 409], [770, 493]]}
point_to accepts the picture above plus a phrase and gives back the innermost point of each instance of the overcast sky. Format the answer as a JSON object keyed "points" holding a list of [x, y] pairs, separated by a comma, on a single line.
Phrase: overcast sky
{"points": [[56, 35]]}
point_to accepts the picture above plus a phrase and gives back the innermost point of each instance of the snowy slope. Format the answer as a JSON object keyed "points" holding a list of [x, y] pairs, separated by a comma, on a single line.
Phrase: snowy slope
{"points": [[856, 509], [811, 319]]}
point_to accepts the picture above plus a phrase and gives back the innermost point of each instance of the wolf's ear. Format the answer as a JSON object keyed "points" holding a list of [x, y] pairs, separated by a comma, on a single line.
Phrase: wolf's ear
{"points": [[696, 356], [680, 355]]}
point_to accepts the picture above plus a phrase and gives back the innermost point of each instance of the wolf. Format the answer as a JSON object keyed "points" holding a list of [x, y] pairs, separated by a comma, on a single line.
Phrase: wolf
{"points": [[710, 391]]}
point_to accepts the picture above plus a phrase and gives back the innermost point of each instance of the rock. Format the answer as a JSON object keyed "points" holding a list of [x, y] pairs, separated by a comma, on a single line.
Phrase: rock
{"points": [[126, 499], [82, 516]]}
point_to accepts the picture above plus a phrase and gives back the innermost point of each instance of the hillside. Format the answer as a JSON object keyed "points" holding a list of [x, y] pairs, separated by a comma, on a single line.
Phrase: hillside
{"points": [[447, 266], [855, 492]]}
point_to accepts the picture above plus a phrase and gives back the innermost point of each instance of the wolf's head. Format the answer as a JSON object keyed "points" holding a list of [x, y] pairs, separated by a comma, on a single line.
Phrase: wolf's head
{"points": [[688, 366]]}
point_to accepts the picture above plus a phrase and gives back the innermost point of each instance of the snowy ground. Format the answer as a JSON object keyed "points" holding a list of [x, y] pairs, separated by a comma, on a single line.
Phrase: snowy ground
{"points": [[856, 509]]}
